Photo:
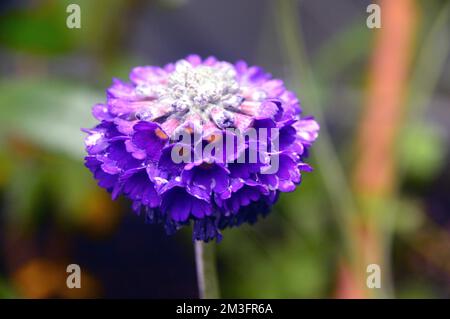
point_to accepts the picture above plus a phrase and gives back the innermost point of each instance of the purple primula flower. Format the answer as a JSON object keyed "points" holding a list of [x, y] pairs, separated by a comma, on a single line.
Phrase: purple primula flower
{"points": [[144, 123]]}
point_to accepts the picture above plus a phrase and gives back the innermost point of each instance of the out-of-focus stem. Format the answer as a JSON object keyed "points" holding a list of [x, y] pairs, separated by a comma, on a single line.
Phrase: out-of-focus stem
{"points": [[331, 170], [430, 64], [205, 261], [375, 172], [362, 225]]}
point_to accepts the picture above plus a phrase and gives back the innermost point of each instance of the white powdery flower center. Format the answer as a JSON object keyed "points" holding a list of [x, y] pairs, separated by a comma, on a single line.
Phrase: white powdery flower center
{"points": [[202, 94], [198, 88]]}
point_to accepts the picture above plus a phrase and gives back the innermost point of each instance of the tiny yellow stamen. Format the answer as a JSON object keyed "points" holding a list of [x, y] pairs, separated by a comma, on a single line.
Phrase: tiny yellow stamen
{"points": [[161, 134]]}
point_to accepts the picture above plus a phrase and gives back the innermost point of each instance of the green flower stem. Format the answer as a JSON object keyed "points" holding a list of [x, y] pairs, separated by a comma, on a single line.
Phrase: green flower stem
{"points": [[205, 261]]}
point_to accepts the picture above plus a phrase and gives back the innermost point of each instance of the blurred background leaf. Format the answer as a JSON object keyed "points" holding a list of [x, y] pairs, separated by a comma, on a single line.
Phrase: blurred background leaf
{"points": [[47, 112]]}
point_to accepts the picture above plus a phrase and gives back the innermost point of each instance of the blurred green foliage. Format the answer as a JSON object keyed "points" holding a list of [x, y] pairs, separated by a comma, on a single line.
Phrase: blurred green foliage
{"points": [[37, 30], [423, 148], [48, 112], [40, 29], [6, 292]]}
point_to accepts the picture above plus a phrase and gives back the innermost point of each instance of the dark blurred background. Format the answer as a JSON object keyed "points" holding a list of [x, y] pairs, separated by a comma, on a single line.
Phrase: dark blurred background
{"points": [[379, 192]]}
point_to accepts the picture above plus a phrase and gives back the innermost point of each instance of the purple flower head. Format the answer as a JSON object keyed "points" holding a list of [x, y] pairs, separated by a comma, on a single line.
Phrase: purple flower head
{"points": [[200, 141]]}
